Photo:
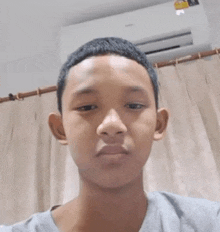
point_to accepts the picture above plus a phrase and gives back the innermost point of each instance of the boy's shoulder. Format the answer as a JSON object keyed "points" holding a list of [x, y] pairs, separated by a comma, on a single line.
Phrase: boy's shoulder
{"points": [[41, 221], [183, 204], [182, 213]]}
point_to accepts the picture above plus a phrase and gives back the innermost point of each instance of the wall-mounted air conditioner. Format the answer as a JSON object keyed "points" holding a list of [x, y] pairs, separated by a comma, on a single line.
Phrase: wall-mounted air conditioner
{"points": [[158, 31]]}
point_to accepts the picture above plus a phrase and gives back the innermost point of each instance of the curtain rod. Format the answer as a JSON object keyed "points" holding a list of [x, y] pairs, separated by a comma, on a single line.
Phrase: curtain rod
{"points": [[39, 91]]}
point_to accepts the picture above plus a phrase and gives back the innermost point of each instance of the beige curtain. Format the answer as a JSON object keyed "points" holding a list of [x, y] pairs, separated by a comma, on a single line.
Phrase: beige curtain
{"points": [[37, 172]]}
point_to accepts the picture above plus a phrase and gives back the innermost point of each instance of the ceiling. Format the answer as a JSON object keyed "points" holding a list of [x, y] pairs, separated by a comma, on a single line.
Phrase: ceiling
{"points": [[31, 27]]}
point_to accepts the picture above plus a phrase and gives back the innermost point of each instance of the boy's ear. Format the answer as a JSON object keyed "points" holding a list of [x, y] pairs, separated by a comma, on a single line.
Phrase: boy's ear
{"points": [[56, 127], [162, 121]]}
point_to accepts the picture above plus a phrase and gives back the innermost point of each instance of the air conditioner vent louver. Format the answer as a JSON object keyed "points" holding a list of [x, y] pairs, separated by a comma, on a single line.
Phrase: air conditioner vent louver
{"points": [[165, 43], [162, 50]]}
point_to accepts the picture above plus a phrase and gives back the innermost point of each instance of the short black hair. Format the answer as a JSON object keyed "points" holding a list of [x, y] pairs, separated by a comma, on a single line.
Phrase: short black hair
{"points": [[105, 46]]}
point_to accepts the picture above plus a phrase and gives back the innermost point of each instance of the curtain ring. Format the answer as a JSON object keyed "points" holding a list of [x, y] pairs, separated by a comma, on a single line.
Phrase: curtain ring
{"points": [[217, 52], [11, 97], [176, 61], [38, 92], [18, 98]]}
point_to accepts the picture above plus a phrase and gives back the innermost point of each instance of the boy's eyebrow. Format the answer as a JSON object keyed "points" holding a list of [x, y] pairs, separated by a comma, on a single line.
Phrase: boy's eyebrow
{"points": [[90, 90]]}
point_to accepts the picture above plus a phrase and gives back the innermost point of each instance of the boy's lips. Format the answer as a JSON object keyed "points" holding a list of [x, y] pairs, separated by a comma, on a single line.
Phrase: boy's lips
{"points": [[112, 149]]}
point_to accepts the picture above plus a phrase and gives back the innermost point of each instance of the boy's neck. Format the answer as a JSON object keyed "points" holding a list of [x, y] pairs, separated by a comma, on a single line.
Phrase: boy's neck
{"points": [[96, 210]]}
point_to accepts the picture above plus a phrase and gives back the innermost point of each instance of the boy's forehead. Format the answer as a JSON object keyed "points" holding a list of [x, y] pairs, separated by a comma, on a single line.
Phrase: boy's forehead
{"points": [[103, 62], [91, 63]]}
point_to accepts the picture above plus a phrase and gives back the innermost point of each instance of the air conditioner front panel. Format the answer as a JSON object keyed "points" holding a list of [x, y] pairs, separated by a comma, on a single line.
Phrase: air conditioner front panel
{"points": [[142, 25]]}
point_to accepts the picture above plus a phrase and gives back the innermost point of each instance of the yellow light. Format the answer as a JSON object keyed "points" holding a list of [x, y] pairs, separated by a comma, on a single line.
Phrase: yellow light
{"points": [[179, 5]]}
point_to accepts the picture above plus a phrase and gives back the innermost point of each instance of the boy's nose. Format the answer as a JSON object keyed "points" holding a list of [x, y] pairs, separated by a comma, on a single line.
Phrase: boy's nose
{"points": [[111, 125]]}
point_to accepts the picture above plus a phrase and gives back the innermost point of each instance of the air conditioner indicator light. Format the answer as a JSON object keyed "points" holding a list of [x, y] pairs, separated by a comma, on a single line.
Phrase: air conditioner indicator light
{"points": [[179, 5]]}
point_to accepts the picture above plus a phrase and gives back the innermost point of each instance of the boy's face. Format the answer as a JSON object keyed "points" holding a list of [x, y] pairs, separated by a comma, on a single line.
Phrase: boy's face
{"points": [[109, 115]]}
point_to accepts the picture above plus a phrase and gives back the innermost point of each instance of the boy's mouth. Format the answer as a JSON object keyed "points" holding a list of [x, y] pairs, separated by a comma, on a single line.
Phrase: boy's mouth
{"points": [[112, 150]]}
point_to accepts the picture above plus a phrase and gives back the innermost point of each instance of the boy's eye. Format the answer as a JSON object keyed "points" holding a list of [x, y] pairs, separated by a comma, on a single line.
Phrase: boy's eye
{"points": [[90, 107], [86, 108], [134, 104]]}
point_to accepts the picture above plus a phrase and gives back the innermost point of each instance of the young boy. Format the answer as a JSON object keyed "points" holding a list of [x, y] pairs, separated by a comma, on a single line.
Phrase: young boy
{"points": [[109, 117]]}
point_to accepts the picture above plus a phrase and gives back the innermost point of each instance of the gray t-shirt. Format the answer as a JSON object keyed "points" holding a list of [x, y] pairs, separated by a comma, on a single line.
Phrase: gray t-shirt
{"points": [[167, 212]]}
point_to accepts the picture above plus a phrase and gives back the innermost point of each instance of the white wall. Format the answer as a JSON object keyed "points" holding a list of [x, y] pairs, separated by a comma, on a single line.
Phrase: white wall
{"points": [[212, 9], [29, 73]]}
